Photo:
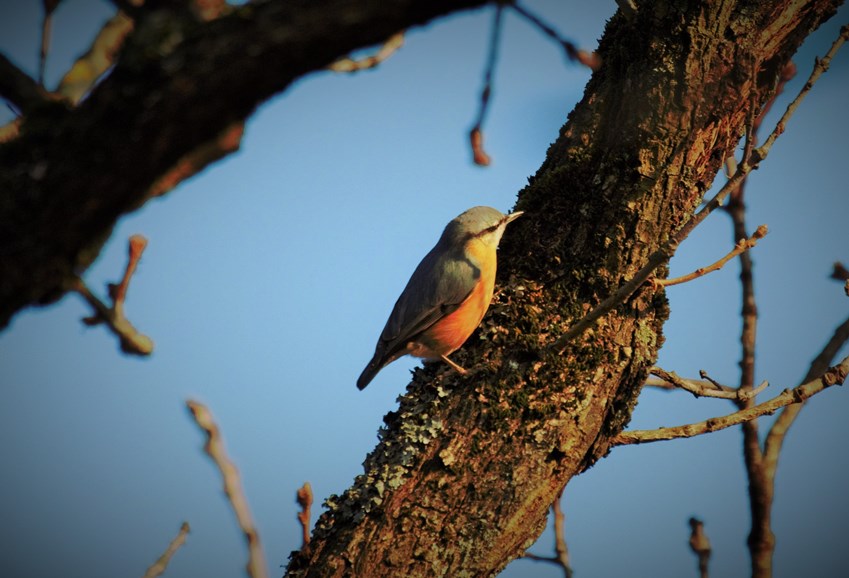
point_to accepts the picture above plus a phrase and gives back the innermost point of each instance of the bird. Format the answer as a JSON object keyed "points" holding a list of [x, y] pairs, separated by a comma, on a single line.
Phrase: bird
{"points": [[447, 295]]}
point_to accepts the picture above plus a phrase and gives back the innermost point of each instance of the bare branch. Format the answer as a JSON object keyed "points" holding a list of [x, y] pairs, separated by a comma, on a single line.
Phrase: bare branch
{"points": [[97, 60], [18, 88], [707, 388], [742, 246], [700, 545], [113, 316], [778, 431], [835, 375], [589, 59], [479, 155], [820, 67], [388, 48], [227, 142], [214, 448], [158, 567], [305, 499]]}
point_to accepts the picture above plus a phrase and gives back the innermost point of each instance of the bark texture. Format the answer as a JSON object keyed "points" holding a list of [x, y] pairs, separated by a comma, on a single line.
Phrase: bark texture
{"points": [[467, 468]]}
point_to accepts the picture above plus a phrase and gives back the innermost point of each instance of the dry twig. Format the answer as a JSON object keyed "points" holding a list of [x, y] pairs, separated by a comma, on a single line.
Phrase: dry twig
{"points": [[589, 59], [158, 567], [835, 375], [97, 60], [113, 316], [305, 499], [707, 388], [388, 48], [214, 447], [700, 545], [479, 155], [742, 246]]}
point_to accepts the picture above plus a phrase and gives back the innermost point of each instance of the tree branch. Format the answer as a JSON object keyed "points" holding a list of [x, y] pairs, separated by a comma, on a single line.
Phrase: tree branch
{"points": [[700, 545], [161, 564], [304, 498], [92, 65], [741, 247], [707, 388], [834, 376], [79, 173], [386, 50], [113, 316], [17, 87], [214, 448]]}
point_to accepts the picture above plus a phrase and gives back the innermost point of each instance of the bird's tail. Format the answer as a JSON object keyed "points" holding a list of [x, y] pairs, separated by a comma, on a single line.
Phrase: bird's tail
{"points": [[368, 373]]}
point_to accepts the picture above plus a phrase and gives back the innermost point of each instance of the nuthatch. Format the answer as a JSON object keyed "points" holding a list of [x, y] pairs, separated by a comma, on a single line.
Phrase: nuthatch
{"points": [[448, 294]]}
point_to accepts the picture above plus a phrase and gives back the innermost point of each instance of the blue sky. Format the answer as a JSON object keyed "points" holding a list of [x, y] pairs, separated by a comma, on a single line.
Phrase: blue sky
{"points": [[268, 278]]}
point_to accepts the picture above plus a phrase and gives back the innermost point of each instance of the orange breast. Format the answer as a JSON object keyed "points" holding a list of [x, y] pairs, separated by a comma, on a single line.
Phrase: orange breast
{"points": [[450, 332]]}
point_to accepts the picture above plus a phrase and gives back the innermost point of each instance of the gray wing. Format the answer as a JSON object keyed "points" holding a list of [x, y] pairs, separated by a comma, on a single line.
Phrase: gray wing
{"points": [[440, 283]]}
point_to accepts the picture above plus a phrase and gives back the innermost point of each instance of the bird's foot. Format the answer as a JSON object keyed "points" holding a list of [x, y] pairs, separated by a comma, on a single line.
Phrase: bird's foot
{"points": [[453, 365]]}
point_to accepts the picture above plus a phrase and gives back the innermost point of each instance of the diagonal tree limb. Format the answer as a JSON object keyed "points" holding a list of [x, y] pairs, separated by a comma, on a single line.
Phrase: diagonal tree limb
{"points": [[777, 433], [134, 128]]}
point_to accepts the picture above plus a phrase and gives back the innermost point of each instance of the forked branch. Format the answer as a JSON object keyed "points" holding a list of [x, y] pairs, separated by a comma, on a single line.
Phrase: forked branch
{"points": [[113, 315], [834, 376]]}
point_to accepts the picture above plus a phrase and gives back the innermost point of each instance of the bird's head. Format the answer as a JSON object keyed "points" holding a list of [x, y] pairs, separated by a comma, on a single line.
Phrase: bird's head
{"points": [[483, 223]]}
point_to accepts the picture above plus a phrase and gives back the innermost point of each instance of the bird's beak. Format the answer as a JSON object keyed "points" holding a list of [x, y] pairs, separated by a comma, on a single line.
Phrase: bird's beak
{"points": [[513, 216]]}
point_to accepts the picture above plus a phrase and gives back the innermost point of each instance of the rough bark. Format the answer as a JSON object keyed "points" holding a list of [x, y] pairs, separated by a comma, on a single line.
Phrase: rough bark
{"points": [[179, 84], [467, 467]]}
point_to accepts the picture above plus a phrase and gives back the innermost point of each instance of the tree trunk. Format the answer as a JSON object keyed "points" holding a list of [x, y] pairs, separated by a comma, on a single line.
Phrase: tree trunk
{"points": [[467, 468]]}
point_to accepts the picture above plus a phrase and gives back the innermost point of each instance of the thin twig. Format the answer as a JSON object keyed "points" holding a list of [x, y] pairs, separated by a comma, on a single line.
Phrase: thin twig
{"points": [[820, 67], [835, 375], [214, 447], [708, 388], [158, 567], [305, 498], [588, 59], [97, 60], [741, 247], [665, 252], [700, 545], [46, 22], [778, 431], [388, 48], [479, 155], [113, 316]]}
